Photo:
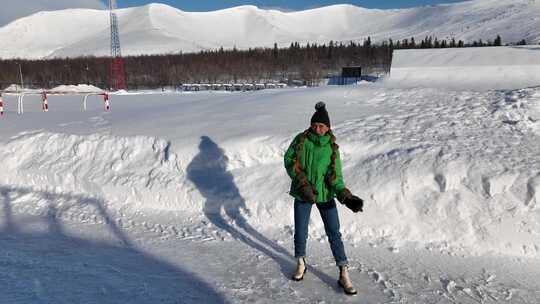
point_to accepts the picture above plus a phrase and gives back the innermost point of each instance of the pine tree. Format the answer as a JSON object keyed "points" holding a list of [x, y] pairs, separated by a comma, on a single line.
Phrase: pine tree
{"points": [[330, 50], [367, 42], [444, 44], [405, 43], [497, 41]]}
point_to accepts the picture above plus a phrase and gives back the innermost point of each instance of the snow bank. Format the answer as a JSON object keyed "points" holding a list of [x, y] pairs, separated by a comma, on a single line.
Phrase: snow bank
{"points": [[137, 172], [16, 88], [448, 170], [80, 88], [474, 68], [62, 89], [13, 88]]}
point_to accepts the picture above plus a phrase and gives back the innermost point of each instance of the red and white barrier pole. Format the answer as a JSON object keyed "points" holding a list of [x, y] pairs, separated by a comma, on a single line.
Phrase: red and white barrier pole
{"points": [[45, 103], [1, 106], [106, 100]]}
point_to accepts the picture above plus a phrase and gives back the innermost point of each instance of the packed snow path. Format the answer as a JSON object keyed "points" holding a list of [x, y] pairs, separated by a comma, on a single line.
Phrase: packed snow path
{"points": [[187, 191], [54, 256]]}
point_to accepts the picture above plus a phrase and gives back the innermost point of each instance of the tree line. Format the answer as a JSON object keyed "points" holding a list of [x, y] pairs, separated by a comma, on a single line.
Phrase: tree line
{"points": [[305, 64], [433, 42]]}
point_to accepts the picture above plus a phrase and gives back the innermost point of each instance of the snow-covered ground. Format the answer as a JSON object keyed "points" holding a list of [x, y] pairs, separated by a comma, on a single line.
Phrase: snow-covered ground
{"points": [[161, 29], [175, 198], [182, 197]]}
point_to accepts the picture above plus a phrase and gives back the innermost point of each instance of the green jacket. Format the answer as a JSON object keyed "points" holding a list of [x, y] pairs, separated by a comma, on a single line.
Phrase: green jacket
{"points": [[315, 160]]}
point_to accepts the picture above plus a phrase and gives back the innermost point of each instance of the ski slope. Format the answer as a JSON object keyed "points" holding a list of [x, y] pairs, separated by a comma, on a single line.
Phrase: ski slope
{"points": [[161, 29]]}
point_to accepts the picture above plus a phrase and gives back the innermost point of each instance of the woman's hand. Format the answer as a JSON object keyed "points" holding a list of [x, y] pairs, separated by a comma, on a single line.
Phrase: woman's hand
{"points": [[308, 193], [352, 202]]}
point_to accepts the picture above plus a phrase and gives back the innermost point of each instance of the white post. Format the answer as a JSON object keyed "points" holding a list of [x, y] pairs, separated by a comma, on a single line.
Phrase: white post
{"points": [[105, 98], [20, 73], [20, 104], [84, 101]]}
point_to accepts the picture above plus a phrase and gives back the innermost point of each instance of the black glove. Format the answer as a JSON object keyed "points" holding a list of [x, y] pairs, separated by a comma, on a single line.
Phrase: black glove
{"points": [[354, 203], [351, 201]]}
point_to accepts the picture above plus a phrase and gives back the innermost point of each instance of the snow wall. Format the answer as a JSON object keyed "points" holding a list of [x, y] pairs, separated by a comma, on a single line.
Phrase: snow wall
{"points": [[509, 67], [455, 171]]}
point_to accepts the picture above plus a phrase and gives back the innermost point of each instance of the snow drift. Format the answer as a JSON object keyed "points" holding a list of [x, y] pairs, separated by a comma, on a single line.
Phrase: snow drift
{"points": [[452, 171], [80, 88]]}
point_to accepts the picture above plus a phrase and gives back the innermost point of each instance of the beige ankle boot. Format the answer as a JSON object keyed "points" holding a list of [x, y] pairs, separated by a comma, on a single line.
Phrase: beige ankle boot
{"points": [[300, 270], [345, 282]]}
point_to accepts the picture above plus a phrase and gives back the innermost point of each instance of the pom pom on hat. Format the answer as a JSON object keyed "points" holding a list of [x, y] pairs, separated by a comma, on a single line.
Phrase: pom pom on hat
{"points": [[321, 115], [320, 105]]}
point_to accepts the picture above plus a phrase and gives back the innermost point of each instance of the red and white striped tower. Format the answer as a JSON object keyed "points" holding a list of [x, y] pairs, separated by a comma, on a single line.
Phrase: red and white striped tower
{"points": [[44, 102], [106, 100], [1, 106], [117, 73]]}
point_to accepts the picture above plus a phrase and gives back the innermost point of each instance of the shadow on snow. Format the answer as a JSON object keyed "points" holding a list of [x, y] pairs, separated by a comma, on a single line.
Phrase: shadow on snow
{"points": [[50, 266], [208, 171]]}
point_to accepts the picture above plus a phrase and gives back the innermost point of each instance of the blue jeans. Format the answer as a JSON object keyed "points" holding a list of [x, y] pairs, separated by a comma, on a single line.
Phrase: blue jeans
{"points": [[329, 215]]}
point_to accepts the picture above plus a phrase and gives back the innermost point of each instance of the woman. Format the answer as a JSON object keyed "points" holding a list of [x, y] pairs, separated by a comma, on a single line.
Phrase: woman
{"points": [[313, 163]]}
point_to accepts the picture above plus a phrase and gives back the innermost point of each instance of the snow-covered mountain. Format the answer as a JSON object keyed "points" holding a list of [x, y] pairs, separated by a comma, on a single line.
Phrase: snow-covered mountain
{"points": [[158, 28]]}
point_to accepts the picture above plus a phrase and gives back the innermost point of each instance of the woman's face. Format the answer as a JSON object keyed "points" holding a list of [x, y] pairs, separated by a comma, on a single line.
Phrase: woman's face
{"points": [[319, 128]]}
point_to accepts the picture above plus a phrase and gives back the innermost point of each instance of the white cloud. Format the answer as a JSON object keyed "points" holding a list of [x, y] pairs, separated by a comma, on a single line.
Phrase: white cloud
{"points": [[13, 9]]}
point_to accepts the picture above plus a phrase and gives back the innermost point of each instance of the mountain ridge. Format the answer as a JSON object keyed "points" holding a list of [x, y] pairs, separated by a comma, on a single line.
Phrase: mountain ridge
{"points": [[161, 29]]}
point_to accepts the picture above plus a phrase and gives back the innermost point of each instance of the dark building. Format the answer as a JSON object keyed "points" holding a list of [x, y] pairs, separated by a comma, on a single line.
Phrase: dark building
{"points": [[349, 75], [351, 72]]}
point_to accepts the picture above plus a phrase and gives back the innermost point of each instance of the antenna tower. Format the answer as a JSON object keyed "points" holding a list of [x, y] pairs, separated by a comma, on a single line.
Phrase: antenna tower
{"points": [[117, 74]]}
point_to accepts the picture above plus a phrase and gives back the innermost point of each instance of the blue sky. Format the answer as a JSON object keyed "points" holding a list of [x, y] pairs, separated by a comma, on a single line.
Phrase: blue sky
{"points": [[20, 8], [208, 5]]}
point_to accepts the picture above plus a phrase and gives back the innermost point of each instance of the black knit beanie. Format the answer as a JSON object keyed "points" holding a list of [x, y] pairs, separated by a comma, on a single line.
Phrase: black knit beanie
{"points": [[321, 115]]}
